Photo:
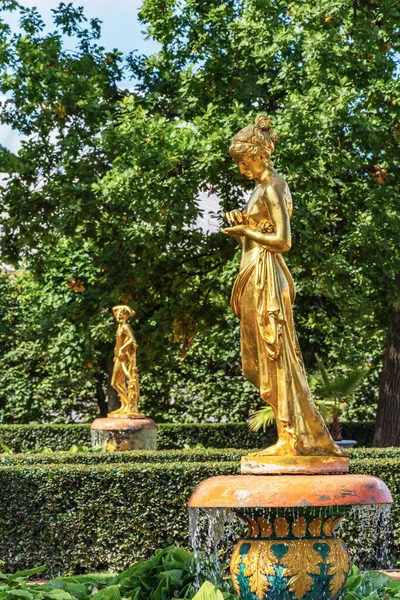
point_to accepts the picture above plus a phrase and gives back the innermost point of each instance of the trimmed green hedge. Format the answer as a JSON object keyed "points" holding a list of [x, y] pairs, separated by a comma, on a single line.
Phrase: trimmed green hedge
{"points": [[78, 518], [136, 456], [21, 438], [161, 456]]}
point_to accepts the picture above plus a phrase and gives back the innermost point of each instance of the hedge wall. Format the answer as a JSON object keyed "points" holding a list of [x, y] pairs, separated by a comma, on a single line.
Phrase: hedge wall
{"points": [[142, 456], [161, 456], [21, 438], [78, 518]]}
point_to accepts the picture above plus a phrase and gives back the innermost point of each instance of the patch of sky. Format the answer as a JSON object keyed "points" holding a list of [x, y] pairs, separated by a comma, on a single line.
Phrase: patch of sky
{"points": [[120, 28]]}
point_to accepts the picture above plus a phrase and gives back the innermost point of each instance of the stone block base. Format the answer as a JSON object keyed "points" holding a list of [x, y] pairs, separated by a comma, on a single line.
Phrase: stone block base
{"points": [[274, 465]]}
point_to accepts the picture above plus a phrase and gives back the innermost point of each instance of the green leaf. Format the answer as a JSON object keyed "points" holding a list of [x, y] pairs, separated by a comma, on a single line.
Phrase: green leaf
{"points": [[353, 583], [77, 590], [208, 591], [20, 594], [59, 594], [323, 371], [27, 573], [108, 593]]}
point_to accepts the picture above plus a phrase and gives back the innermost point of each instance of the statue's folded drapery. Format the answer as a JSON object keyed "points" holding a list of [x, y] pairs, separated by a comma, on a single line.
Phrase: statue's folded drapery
{"points": [[262, 298]]}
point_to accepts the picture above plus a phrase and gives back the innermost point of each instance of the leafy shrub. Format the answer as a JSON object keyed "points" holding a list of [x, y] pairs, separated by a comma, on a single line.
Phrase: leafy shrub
{"points": [[137, 456], [169, 574], [78, 518], [371, 585], [20, 438], [208, 455]]}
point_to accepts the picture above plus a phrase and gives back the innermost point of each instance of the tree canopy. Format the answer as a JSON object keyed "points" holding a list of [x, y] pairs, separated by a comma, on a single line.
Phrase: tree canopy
{"points": [[102, 200]]}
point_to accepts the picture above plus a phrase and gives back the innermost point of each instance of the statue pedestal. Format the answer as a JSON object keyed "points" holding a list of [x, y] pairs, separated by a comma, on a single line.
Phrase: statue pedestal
{"points": [[259, 464], [122, 434]]}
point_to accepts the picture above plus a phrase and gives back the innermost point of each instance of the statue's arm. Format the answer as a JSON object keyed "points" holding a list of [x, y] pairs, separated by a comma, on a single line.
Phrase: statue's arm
{"points": [[131, 338], [278, 241]]}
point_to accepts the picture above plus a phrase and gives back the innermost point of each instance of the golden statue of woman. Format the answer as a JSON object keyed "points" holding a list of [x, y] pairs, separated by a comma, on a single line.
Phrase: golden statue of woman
{"points": [[125, 378], [262, 298]]}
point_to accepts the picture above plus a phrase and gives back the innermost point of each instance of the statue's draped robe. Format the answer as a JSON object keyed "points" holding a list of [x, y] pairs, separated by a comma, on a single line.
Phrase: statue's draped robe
{"points": [[262, 298]]}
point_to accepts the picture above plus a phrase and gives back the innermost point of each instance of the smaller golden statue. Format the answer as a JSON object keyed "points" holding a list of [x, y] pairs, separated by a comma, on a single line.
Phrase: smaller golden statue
{"points": [[125, 378]]}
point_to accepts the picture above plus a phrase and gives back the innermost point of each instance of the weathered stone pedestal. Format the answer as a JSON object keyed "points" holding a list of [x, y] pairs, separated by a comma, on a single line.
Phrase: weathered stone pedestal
{"points": [[259, 464], [122, 434]]}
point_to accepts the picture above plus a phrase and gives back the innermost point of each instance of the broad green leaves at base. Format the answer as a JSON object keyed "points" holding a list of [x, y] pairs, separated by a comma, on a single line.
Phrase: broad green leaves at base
{"points": [[371, 585], [208, 592]]}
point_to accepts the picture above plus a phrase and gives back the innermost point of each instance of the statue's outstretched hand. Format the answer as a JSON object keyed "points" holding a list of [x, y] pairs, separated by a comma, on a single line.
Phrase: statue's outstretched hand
{"points": [[236, 231]]}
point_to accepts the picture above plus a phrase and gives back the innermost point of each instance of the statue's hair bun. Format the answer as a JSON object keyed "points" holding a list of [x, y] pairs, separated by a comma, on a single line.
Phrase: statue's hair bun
{"points": [[253, 138], [263, 122]]}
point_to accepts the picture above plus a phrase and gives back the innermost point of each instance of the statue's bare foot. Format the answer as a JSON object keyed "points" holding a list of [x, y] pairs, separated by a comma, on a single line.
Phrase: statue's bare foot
{"points": [[116, 413], [129, 414], [281, 448]]}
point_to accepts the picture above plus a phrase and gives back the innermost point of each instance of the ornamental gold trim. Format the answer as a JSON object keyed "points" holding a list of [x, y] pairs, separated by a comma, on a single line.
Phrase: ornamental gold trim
{"points": [[299, 527], [265, 527], [338, 565], [300, 562], [281, 527], [259, 562], [327, 527], [236, 561], [253, 529], [315, 527]]}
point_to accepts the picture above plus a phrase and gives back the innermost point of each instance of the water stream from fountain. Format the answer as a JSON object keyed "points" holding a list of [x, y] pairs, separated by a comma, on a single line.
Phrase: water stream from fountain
{"points": [[367, 532], [214, 533], [213, 540]]}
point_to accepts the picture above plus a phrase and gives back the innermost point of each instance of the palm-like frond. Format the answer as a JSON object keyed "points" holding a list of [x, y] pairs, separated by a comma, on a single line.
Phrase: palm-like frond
{"points": [[326, 408], [334, 386], [261, 419], [328, 387], [322, 370], [345, 385]]}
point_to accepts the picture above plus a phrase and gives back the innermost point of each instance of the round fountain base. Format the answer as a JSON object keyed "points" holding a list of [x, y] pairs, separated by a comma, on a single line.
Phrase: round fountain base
{"points": [[259, 464], [124, 434], [290, 551], [288, 491]]}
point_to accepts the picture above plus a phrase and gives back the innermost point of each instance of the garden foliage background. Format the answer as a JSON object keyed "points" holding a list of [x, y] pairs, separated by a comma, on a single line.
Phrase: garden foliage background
{"points": [[101, 203]]}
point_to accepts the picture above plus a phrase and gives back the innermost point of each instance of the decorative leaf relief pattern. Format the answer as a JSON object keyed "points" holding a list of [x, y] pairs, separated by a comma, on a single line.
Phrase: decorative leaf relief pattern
{"points": [[300, 562], [266, 527], [299, 527], [315, 527], [336, 523], [281, 527], [253, 529], [236, 561], [338, 565], [260, 562], [328, 526]]}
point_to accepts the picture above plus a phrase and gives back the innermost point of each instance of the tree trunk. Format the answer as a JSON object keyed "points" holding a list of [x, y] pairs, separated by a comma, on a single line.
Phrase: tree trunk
{"points": [[100, 395], [336, 430], [387, 431], [113, 400]]}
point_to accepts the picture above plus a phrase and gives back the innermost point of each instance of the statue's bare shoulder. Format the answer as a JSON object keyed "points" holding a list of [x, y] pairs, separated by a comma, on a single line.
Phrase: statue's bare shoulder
{"points": [[277, 194]]}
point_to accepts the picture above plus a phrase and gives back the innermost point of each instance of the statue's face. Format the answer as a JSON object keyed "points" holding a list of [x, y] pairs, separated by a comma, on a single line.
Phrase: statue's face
{"points": [[122, 315], [251, 167]]}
